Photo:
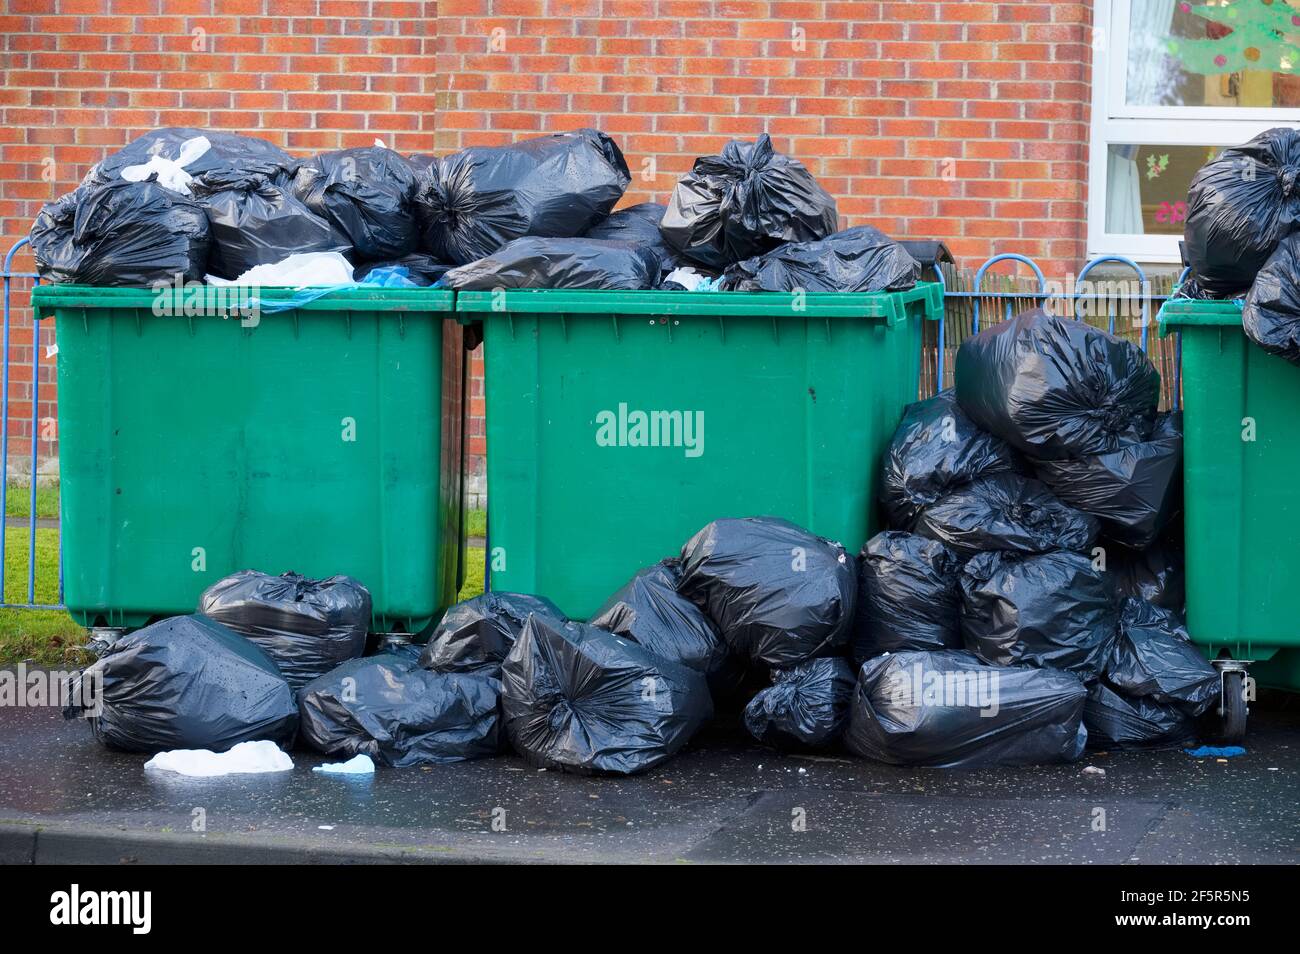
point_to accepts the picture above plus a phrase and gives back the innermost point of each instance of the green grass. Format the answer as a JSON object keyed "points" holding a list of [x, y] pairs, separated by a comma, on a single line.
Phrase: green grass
{"points": [[18, 501], [476, 523], [47, 637], [473, 574]]}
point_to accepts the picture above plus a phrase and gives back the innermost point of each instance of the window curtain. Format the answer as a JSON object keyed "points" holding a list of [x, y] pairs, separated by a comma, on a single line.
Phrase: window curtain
{"points": [[1149, 65], [1123, 191]]}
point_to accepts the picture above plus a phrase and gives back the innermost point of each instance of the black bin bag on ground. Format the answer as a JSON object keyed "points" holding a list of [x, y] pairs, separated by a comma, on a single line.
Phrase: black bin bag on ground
{"points": [[476, 635], [934, 451], [1005, 512], [1271, 314], [806, 705], [638, 225], [1114, 720], [649, 611], [861, 259], [744, 202], [908, 596], [778, 594], [1239, 206], [1056, 388], [186, 683], [128, 234], [475, 201], [950, 710], [306, 626], [1154, 575], [390, 709], [582, 700], [367, 194], [1046, 610], [1133, 491], [1154, 658], [559, 263]]}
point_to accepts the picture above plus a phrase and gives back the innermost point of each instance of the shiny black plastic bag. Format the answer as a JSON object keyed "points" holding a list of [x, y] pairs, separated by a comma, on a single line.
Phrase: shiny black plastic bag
{"points": [[476, 635], [908, 596], [228, 154], [421, 269], [473, 202], [390, 709], [1005, 512], [1049, 610], [649, 611], [860, 259], [935, 450], [1271, 314], [1057, 388], [1134, 491], [638, 225], [186, 683], [367, 194], [306, 626], [558, 263], [806, 705], [1239, 206], [121, 233], [1154, 658], [950, 710], [1114, 720], [580, 699], [1154, 575], [778, 594], [745, 202]]}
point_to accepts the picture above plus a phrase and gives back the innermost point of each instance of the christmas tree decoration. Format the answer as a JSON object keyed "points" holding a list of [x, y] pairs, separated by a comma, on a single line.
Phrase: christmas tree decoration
{"points": [[1265, 36]]}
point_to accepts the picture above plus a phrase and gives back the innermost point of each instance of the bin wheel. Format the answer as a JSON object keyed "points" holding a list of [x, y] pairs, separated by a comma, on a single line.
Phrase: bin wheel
{"points": [[1232, 707]]}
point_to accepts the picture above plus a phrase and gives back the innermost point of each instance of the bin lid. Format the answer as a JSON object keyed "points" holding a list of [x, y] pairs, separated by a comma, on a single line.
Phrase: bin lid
{"points": [[219, 299], [889, 307], [1187, 312]]}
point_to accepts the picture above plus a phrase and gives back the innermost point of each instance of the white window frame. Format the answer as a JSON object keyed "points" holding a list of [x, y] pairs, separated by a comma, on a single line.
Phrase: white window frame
{"points": [[1113, 121]]}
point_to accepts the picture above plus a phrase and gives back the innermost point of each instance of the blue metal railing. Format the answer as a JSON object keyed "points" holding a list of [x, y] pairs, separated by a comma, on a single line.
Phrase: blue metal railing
{"points": [[951, 296]]}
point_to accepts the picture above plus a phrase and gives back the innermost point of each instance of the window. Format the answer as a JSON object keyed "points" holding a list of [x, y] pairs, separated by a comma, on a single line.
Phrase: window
{"points": [[1174, 81]]}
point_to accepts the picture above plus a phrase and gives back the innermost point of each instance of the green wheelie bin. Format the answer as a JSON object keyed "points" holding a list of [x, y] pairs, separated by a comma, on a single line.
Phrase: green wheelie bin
{"points": [[619, 423], [197, 440], [1242, 523]]}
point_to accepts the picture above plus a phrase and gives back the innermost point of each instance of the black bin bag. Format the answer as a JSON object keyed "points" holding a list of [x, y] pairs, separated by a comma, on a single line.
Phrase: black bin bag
{"points": [[807, 705], [1271, 314], [475, 201], [580, 699], [1117, 721], [649, 611], [860, 259], [908, 596], [390, 709], [306, 626], [1133, 491], [744, 202], [1056, 388], [1154, 575], [638, 225], [127, 234], [1154, 658], [559, 263], [367, 194], [227, 154], [185, 683], [1239, 206], [476, 635], [950, 710], [935, 450], [1046, 610], [1006, 512], [778, 594]]}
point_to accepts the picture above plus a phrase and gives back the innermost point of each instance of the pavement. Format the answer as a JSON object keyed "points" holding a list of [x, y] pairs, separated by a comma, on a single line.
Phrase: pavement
{"points": [[64, 798]]}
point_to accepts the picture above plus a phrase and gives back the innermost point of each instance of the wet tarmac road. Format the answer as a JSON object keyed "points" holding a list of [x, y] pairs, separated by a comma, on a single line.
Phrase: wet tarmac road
{"points": [[63, 798]]}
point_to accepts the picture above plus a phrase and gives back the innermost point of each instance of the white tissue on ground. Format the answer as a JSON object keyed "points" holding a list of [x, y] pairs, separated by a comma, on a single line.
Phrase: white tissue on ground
{"points": [[246, 758], [171, 172], [300, 270], [357, 765]]}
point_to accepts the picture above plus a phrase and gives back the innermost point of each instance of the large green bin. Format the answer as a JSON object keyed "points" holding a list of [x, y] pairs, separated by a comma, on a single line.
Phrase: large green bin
{"points": [[323, 439], [798, 395], [1241, 423]]}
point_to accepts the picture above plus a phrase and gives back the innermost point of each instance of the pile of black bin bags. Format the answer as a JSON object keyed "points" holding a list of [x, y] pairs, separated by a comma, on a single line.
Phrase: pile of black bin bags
{"points": [[538, 213], [1242, 237]]}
